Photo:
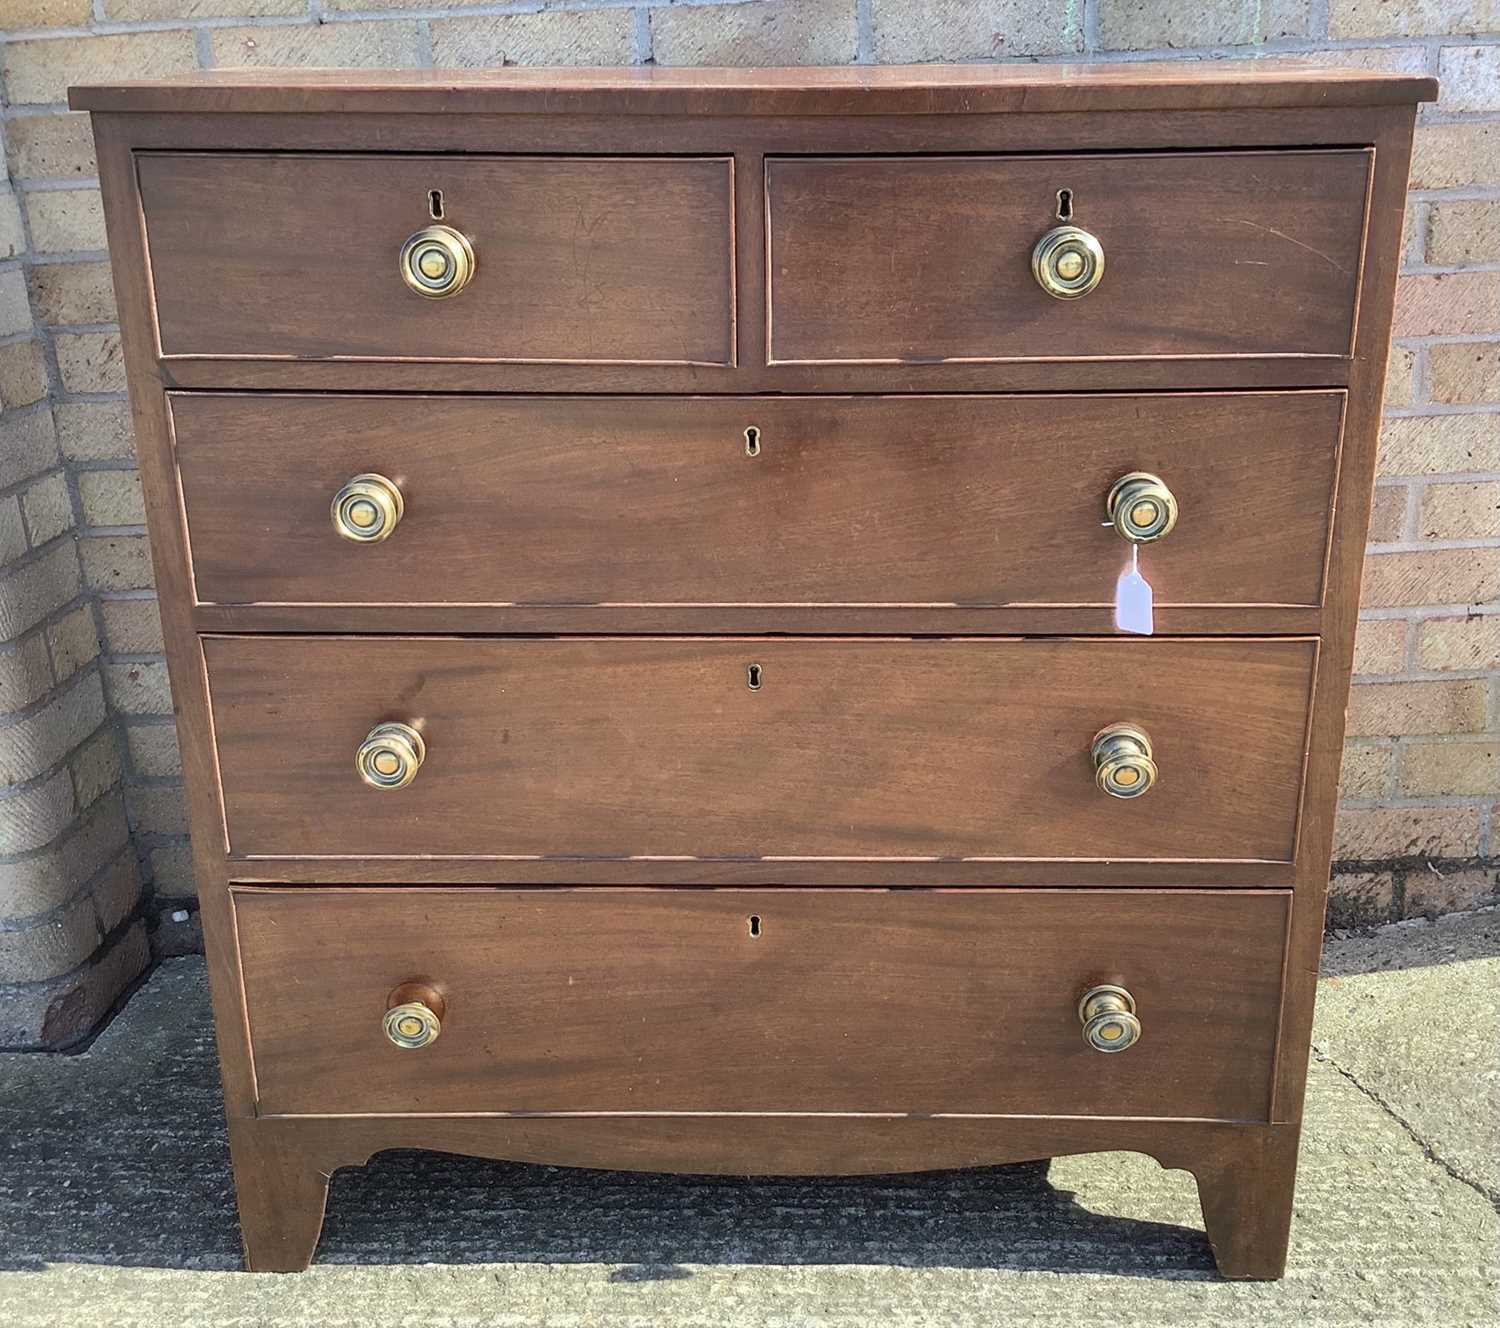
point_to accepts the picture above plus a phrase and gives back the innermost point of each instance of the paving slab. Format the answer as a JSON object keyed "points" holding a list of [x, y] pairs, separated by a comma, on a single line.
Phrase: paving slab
{"points": [[116, 1206], [1412, 1016]]}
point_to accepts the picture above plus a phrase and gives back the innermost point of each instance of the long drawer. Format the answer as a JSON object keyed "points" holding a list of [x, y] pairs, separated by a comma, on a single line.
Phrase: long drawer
{"points": [[763, 1001], [715, 749], [794, 502], [925, 259], [575, 259]]}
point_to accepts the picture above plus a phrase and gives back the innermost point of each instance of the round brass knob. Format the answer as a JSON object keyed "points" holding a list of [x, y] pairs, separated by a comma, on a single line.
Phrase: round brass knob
{"points": [[1141, 507], [367, 509], [1123, 767], [411, 1025], [1107, 1014], [390, 756], [1067, 262], [437, 262]]}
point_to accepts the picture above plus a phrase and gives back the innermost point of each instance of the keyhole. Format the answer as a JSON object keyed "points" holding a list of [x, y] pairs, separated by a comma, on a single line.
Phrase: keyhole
{"points": [[1065, 205], [755, 925], [752, 441], [435, 204], [752, 677]]}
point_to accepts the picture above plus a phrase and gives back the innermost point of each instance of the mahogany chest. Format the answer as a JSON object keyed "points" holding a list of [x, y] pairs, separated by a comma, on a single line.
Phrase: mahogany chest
{"points": [[638, 553]]}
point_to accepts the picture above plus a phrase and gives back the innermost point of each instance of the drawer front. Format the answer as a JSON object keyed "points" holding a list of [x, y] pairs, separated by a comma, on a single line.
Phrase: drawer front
{"points": [[895, 501], [845, 749], [763, 1001], [929, 258], [575, 259]]}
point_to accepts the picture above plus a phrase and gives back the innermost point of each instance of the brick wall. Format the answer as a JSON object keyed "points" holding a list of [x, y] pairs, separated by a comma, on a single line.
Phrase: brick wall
{"points": [[71, 932], [1418, 829]]}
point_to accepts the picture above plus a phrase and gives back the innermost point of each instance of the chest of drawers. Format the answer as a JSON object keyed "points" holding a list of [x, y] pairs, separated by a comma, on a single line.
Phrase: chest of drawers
{"points": [[637, 554]]}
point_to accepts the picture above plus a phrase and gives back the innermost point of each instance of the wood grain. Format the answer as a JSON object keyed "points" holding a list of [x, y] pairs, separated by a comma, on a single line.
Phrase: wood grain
{"points": [[771, 873], [848, 132], [750, 140], [1243, 373], [742, 1001], [922, 90], [1245, 1173], [746, 620], [866, 749], [151, 428], [920, 259], [863, 503], [1392, 134], [625, 259]]}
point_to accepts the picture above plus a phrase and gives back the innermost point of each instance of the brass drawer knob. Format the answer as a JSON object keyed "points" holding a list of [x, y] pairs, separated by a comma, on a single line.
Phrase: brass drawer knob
{"points": [[367, 508], [414, 1015], [1141, 507], [390, 756], [1067, 262], [437, 262], [1123, 767], [1107, 1014], [411, 1025]]}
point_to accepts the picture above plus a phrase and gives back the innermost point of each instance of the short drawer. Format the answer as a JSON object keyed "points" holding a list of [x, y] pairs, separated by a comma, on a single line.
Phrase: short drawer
{"points": [[689, 1000], [815, 503], [752, 748], [913, 259], [574, 259]]}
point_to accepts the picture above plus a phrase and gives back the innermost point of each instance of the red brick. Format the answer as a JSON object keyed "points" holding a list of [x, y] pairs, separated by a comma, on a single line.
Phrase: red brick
{"points": [[1398, 709], [1448, 304], [1441, 576], [1375, 834], [1431, 892]]}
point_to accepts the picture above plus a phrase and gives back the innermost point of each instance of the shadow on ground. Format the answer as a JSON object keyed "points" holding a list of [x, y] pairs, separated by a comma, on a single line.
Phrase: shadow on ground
{"points": [[1419, 943], [118, 1156]]}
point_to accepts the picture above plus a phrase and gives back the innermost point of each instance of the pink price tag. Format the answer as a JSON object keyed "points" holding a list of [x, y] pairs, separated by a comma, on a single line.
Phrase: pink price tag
{"points": [[1133, 611]]}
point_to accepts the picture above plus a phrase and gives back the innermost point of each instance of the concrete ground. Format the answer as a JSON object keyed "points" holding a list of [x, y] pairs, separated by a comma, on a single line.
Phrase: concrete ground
{"points": [[116, 1207]]}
